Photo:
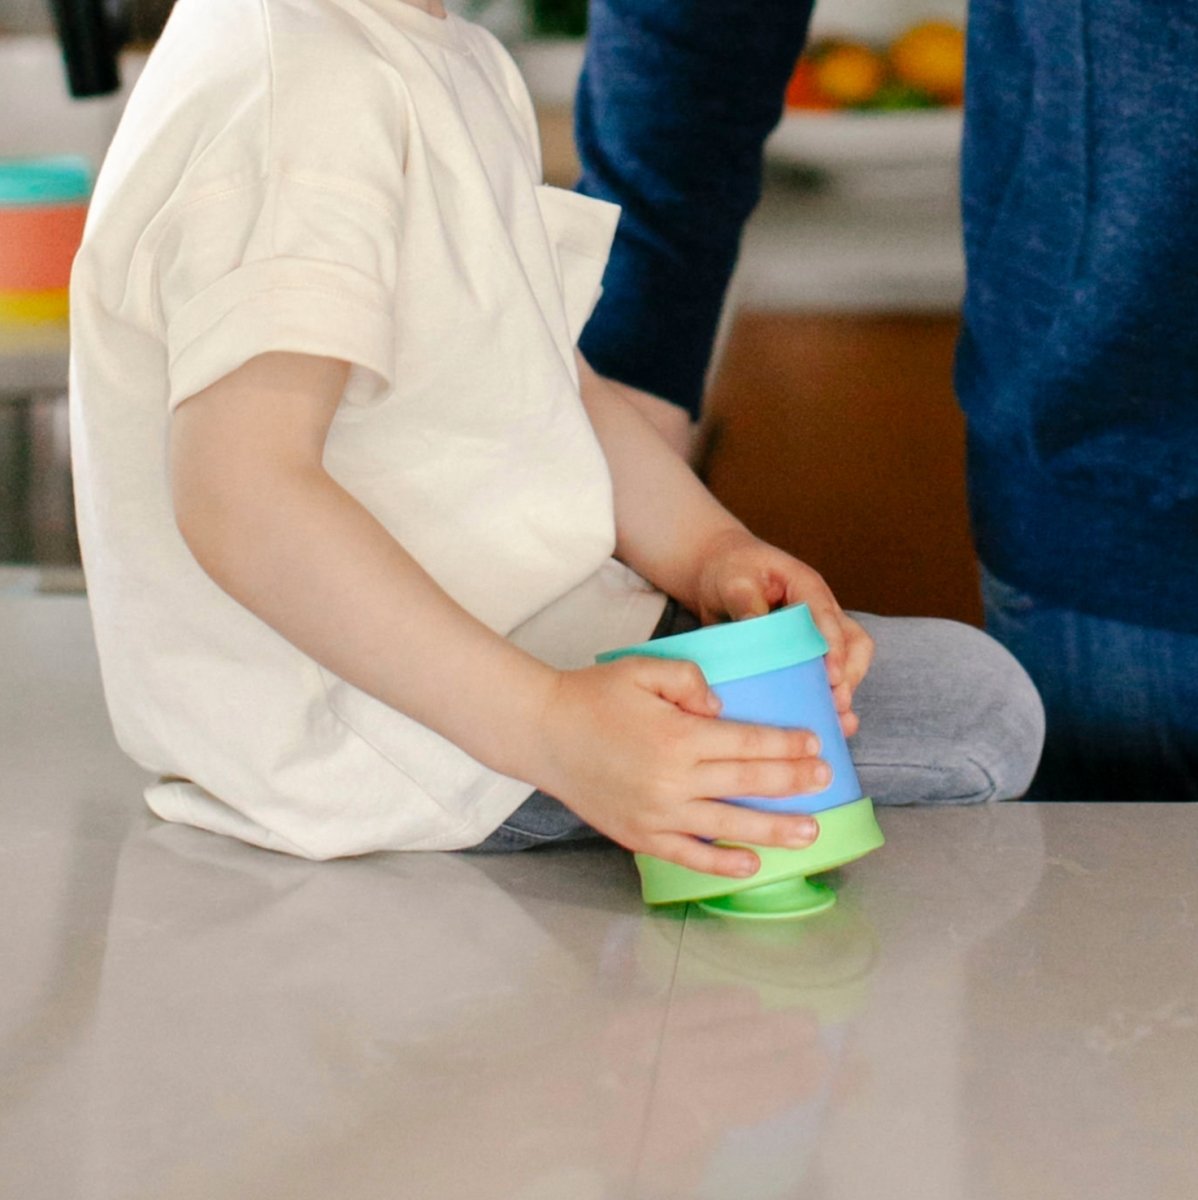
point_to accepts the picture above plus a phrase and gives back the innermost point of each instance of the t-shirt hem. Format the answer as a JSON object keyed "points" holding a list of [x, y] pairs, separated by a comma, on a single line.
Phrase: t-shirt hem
{"points": [[183, 802]]}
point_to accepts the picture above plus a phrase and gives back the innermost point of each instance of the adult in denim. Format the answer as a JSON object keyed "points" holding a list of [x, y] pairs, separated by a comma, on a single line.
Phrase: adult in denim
{"points": [[1078, 362]]}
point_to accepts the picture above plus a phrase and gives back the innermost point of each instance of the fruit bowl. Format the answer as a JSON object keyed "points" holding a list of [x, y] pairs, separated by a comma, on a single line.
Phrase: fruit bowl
{"points": [[835, 141], [875, 100]]}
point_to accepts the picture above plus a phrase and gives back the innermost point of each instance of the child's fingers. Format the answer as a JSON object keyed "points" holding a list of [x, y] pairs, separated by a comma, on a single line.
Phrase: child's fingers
{"points": [[726, 741], [759, 777], [681, 683], [859, 652], [715, 820], [829, 621], [703, 856], [842, 697], [744, 596]]}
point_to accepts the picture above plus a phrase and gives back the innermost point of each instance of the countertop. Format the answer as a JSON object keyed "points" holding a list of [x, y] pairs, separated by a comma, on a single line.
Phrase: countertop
{"points": [[1002, 1005]]}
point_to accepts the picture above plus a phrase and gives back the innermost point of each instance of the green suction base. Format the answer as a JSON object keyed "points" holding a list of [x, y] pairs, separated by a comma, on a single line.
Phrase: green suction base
{"points": [[780, 890], [783, 901]]}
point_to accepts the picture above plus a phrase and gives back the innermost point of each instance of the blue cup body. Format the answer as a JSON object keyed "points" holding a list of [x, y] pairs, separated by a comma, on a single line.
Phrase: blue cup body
{"points": [[794, 697], [769, 670]]}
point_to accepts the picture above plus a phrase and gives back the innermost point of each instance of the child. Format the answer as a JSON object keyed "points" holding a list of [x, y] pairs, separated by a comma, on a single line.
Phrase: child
{"points": [[349, 500]]}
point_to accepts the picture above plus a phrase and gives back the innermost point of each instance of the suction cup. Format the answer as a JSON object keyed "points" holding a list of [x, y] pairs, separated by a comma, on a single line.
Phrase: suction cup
{"points": [[786, 900]]}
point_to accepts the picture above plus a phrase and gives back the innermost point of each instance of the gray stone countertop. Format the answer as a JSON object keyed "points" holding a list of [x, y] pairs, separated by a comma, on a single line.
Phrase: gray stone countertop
{"points": [[1003, 1004]]}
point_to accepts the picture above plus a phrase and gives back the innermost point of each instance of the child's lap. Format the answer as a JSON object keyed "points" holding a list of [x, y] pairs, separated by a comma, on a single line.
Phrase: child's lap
{"points": [[947, 716]]}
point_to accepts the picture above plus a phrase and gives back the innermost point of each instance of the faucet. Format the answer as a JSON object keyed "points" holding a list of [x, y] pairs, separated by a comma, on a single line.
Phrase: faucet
{"points": [[91, 33]]}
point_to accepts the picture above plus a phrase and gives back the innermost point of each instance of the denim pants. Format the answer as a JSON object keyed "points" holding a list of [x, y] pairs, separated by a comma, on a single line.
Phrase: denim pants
{"points": [[1121, 700], [947, 717]]}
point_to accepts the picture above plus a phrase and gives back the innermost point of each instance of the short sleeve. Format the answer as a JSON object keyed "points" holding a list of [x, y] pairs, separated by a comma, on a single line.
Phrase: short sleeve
{"points": [[284, 264]]}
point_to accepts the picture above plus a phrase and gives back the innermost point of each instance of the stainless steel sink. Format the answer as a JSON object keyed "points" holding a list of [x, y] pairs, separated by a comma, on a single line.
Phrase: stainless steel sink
{"points": [[37, 520]]}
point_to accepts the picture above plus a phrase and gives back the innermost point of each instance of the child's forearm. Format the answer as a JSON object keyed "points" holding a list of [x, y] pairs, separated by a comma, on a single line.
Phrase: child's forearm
{"points": [[676, 534], [278, 534], [309, 560], [666, 521]]}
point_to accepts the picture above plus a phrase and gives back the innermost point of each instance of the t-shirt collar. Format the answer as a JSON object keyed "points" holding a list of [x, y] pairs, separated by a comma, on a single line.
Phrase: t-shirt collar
{"points": [[446, 31]]}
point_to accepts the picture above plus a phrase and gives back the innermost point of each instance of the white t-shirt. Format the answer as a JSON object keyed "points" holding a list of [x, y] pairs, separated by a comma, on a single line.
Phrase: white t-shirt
{"points": [[356, 179]]}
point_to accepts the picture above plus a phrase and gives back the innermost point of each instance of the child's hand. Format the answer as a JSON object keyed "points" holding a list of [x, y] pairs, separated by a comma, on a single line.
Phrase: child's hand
{"points": [[742, 576], [632, 746]]}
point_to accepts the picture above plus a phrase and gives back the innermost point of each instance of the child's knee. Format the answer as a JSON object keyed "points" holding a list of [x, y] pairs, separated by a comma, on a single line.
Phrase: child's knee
{"points": [[1007, 733], [951, 717]]}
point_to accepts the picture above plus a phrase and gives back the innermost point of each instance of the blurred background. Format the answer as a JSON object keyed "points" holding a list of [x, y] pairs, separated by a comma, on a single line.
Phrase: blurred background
{"points": [[830, 426]]}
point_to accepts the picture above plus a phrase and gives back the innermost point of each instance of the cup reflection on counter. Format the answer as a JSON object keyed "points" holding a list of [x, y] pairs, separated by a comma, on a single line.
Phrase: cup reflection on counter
{"points": [[755, 1048]]}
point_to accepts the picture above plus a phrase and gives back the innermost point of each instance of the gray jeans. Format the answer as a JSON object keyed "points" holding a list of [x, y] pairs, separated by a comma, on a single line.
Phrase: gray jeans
{"points": [[947, 717]]}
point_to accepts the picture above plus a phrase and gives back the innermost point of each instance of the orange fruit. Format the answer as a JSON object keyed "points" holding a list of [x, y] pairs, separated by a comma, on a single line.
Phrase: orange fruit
{"points": [[931, 57], [849, 73], [802, 91]]}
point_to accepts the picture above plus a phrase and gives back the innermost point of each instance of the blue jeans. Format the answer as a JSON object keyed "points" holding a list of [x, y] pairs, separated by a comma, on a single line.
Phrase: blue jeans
{"points": [[1121, 700], [947, 716]]}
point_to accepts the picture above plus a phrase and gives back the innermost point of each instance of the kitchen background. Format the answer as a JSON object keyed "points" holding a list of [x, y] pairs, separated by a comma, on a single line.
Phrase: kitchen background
{"points": [[830, 427]]}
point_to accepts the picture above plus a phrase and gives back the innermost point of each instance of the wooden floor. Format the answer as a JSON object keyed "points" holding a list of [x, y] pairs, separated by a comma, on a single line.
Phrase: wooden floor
{"points": [[839, 439]]}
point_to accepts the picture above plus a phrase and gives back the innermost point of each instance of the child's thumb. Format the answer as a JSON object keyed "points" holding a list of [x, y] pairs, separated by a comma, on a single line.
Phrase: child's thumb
{"points": [[681, 683], [744, 597]]}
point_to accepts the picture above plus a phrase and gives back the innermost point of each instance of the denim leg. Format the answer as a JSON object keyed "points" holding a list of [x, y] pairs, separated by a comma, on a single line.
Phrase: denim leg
{"points": [[947, 716], [1121, 699], [542, 820]]}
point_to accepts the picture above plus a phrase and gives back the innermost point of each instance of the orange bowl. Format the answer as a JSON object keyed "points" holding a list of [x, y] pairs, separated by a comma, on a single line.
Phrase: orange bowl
{"points": [[38, 243]]}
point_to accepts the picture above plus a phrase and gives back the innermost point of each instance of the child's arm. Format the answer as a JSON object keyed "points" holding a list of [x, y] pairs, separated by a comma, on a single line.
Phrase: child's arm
{"points": [[677, 535], [630, 746]]}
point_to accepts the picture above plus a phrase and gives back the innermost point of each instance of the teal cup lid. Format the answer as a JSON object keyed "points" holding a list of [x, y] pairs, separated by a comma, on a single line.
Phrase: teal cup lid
{"points": [[735, 650], [64, 179]]}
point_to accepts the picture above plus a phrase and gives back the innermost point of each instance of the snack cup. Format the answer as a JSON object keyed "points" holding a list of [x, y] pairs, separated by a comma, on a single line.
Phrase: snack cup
{"points": [[770, 671]]}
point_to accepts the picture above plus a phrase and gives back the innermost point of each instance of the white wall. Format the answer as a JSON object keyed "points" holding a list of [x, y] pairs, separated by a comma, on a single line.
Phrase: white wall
{"points": [[25, 16]]}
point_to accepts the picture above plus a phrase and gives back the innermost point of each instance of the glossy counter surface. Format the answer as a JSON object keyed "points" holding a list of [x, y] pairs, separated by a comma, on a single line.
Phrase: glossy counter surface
{"points": [[1003, 1004]]}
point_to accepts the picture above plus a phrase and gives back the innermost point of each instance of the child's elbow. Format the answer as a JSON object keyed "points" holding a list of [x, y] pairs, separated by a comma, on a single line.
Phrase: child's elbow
{"points": [[204, 519], [212, 506]]}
